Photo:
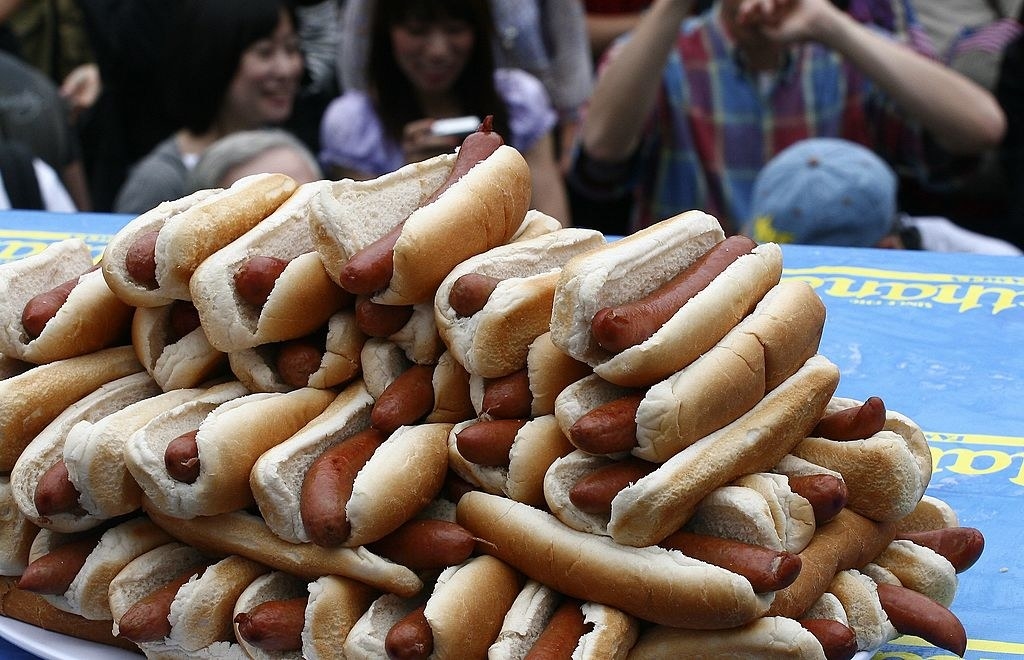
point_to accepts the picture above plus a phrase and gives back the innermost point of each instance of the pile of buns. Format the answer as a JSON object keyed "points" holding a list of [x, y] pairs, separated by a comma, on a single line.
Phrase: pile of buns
{"points": [[411, 417]]}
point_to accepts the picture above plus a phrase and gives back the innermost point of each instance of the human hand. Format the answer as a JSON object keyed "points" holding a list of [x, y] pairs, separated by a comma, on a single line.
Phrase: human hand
{"points": [[81, 88], [788, 21], [419, 143]]}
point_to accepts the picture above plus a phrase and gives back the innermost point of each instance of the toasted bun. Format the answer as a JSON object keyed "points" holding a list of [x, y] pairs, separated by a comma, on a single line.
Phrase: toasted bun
{"points": [[859, 597], [886, 474], [191, 229], [495, 341], [48, 447], [173, 362], [247, 535], [537, 445], [91, 318], [94, 454], [485, 208], [87, 594], [303, 297], [276, 477], [660, 503], [634, 266], [767, 637], [231, 437], [763, 350], [33, 399], [651, 583], [257, 367]]}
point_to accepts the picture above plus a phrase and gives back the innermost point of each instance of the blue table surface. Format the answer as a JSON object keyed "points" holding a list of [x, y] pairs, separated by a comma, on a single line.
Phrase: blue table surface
{"points": [[939, 337]]}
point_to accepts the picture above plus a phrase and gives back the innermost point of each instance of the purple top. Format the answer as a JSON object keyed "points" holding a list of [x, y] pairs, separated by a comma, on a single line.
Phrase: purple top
{"points": [[352, 136]]}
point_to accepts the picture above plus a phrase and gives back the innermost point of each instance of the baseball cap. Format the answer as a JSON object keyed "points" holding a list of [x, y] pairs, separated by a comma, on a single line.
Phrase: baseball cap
{"points": [[823, 191]]}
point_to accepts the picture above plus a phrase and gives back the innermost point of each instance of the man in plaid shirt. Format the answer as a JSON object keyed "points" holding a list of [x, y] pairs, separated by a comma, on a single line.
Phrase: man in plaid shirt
{"points": [[687, 109]]}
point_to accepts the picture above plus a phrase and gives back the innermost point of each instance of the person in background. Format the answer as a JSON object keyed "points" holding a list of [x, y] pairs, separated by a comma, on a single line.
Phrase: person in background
{"points": [[830, 191], [236, 66], [1010, 92], [433, 59], [688, 109], [28, 182], [547, 38], [253, 152]]}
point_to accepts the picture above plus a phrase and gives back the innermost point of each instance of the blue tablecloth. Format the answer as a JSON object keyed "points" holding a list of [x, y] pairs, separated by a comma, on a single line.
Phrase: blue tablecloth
{"points": [[938, 337]]}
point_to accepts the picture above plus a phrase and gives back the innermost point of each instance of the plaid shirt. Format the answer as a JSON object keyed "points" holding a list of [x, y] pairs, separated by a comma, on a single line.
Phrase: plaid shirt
{"points": [[716, 124]]}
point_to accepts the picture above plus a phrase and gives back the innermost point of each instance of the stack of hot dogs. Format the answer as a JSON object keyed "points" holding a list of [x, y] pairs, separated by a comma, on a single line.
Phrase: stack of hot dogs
{"points": [[411, 417]]}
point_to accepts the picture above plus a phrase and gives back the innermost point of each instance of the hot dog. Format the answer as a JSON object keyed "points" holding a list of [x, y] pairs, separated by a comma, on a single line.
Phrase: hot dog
{"points": [[231, 429], [899, 451], [40, 480], [149, 261], [56, 305], [16, 532], [919, 568], [34, 398], [632, 269], [494, 339], [172, 346], [280, 615], [459, 618], [267, 285], [389, 238], [326, 358], [600, 631], [960, 546]]}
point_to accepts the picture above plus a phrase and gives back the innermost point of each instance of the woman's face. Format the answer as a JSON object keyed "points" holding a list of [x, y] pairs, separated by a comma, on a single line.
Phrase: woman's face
{"points": [[433, 54], [267, 80]]}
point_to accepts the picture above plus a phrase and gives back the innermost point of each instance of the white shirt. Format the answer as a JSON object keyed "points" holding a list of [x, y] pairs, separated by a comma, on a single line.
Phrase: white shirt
{"points": [[55, 195]]}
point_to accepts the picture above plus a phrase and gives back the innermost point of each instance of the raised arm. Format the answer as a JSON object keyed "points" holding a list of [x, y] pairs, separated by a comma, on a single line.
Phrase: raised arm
{"points": [[627, 87]]}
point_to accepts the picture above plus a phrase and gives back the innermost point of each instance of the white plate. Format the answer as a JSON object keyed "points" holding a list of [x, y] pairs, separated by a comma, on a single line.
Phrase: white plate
{"points": [[54, 646]]}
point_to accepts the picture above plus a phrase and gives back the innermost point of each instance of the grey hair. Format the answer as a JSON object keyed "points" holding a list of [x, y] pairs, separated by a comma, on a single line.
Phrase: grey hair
{"points": [[237, 148]]}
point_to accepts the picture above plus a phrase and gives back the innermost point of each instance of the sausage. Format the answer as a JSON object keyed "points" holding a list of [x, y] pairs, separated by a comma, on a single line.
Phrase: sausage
{"points": [[53, 572], [274, 625], [425, 544], [470, 292], [44, 306], [766, 569], [146, 620], [609, 428], [488, 442], [838, 641], [855, 423], [370, 269], [561, 635], [508, 397], [826, 493], [455, 487], [376, 320], [140, 259], [620, 327], [913, 613], [961, 546], [297, 360], [183, 318], [181, 458], [406, 400], [256, 276], [327, 487], [594, 492], [411, 638], [54, 491]]}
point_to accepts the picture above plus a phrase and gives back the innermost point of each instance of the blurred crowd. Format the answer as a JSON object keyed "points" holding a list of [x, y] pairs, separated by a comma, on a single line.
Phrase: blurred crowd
{"points": [[874, 123]]}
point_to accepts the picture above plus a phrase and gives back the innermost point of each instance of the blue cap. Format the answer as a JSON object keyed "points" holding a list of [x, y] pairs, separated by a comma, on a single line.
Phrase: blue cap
{"points": [[823, 191]]}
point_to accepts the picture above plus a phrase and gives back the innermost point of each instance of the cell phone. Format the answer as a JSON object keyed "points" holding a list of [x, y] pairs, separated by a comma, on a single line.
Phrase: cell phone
{"points": [[457, 126]]}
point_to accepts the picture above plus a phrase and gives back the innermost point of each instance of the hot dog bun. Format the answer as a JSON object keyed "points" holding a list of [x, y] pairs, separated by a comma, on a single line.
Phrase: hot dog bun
{"points": [[48, 448], [919, 568], [652, 583], [484, 208], [174, 361], [16, 532], [33, 399], [629, 268], [86, 318], [190, 230], [232, 434], [303, 296], [495, 340], [766, 637]]}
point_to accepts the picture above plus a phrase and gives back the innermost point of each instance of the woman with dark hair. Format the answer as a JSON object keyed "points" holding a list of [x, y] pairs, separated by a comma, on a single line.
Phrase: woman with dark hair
{"points": [[233, 65], [429, 60]]}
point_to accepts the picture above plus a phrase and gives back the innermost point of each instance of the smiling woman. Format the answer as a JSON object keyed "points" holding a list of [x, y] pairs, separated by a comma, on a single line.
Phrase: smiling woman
{"points": [[235, 65]]}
